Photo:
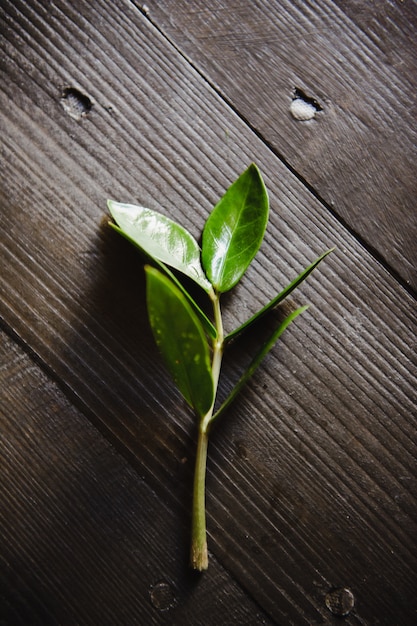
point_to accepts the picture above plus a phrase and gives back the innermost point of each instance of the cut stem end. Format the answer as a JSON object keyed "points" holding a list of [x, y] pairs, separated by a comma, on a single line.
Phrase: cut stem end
{"points": [[199, 556]]}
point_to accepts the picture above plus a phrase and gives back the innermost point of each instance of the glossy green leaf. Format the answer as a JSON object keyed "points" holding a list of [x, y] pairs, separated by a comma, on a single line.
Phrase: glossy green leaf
{"points": [[266, 347], [234, 230], [161, 238], [181, 340], [208, 326], [279, 298]]}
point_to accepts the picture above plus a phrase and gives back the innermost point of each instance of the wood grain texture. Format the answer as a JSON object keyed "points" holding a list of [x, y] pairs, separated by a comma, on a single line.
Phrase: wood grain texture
{"points": [[357, 60], [84, 538], [312, 477]]}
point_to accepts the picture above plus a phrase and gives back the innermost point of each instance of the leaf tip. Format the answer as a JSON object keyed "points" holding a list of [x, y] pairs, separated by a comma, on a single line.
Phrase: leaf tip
{"points": [[110, 204]]}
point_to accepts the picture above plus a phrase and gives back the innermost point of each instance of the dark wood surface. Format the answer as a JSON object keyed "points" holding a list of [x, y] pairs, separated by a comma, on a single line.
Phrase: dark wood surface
{"points": [[312, 477], [356, 60]]}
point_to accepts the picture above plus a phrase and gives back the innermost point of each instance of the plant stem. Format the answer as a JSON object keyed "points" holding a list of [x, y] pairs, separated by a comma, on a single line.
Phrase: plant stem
{"points": [[199, 556]]}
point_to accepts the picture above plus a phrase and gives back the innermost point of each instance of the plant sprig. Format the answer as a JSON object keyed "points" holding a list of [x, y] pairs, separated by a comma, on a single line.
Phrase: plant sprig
{"points": [[191, 343]]}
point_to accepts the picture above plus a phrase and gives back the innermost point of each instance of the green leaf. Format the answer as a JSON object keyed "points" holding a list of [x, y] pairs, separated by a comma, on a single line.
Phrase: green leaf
{"points": [[234, 230], [210, 329], [279, 298], [181, 340], [161, 238], [257, 360]]}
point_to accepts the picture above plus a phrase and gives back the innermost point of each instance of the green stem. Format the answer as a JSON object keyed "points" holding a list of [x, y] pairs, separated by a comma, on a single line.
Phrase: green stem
{"points": [[199, 556]]}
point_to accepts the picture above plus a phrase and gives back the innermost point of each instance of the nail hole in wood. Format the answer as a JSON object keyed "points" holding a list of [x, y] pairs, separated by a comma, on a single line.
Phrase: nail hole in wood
{"points": [[340, 601], [303, 107], [75, 103]]}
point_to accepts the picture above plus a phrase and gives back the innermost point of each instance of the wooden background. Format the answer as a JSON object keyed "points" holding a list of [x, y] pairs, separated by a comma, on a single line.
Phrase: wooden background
{"points": [[312, 477]]}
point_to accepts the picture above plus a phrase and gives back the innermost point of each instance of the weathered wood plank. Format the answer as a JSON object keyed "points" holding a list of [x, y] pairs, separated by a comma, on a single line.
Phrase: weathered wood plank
{"points": [[358, 62], [84, 539], [318, 490]]}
